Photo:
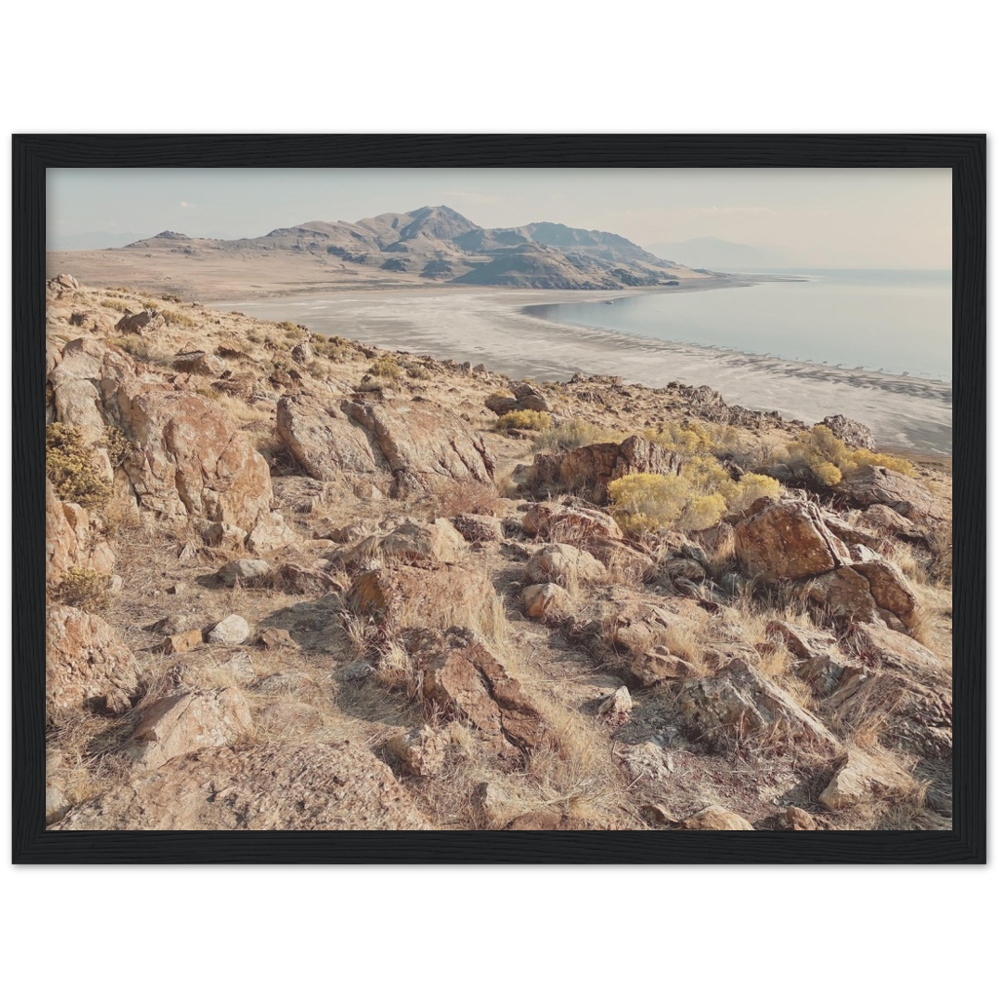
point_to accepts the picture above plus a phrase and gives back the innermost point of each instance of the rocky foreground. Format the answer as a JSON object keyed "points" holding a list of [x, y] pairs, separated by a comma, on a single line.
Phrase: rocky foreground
{"points": [[300, 583]]}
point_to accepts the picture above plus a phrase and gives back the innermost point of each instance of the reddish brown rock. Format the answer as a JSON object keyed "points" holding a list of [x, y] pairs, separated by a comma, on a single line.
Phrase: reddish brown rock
{"points": [[818, 659], [396, 444], [587, 471], [188, 459], [408, 595], [741, 702], [86, 663], [414, 543], [463, 679], [422, 752], [872, 484], [479, 527], [786, 541], [861, 776], [186, 721], [880, 519], [563, 565], [715, 818], [886, 648], [556, 522], [182, 641]]}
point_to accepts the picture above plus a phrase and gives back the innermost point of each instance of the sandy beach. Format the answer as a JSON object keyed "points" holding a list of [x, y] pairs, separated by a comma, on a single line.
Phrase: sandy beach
{"points": [[490, 326]]}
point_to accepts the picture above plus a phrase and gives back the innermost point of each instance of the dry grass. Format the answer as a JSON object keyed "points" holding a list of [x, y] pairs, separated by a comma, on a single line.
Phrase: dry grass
{"points": [[577, 777], [463, 497]]}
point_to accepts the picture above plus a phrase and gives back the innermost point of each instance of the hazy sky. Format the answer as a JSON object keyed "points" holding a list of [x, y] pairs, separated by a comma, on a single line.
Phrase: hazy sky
{"points": [[824, 218]]}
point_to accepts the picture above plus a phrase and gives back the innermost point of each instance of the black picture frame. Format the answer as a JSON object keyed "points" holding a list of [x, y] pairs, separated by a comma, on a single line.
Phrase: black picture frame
{"points": [[965, 155]]}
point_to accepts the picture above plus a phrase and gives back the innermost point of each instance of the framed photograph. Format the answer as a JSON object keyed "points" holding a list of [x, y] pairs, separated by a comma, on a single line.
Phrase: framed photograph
{"points": [[499, 499]]}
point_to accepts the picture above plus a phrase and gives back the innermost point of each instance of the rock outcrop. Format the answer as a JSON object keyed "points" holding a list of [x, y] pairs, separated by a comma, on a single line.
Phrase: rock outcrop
{"points": [[586, 471], [187, 459], [465, 681], [86, 663], [872, 484], [70, 540], [786, 541], [185, 721], [399, 445], [439, 597], [563, 565], [740, 702], [852, 433]]}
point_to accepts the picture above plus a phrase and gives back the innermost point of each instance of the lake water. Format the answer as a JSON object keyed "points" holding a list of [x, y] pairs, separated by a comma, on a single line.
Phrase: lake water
{"points": [[893, 321]]}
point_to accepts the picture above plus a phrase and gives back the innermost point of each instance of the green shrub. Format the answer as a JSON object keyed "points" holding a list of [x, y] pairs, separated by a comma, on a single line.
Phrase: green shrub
{"points": [[83, 588], [574, 434], [523, 420], [70, 464]]}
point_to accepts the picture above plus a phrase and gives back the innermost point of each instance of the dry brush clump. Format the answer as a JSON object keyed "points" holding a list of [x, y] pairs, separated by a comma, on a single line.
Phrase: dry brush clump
{"points": [[819, 455], [575, 433], [523, 420], [72, 467]]}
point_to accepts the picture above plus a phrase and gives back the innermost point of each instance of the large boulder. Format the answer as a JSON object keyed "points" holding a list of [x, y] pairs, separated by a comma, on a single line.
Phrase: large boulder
{"points": [[70, 540], [563, 565], [872, 484], [396, 444], [860, 776], [546, 600], [588, 470], [741, 702], [568, 522], [786, 541], [185, 721], [413, 596], [420, 544], [865, 590], [320, 786], [187, 458], [85, 379], [86, 664]]}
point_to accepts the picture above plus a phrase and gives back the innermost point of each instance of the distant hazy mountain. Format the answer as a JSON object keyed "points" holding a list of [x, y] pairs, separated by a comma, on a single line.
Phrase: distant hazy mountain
{"points": [[94, 241], [721, 255], [438, 244]]}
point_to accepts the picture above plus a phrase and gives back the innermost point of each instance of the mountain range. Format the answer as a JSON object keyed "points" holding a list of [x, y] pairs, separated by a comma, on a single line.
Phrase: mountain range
{"points": [[439, 245]]}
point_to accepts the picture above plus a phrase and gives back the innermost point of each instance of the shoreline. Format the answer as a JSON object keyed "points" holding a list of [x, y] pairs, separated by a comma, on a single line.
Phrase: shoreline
{"points": [[494, 328]]}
